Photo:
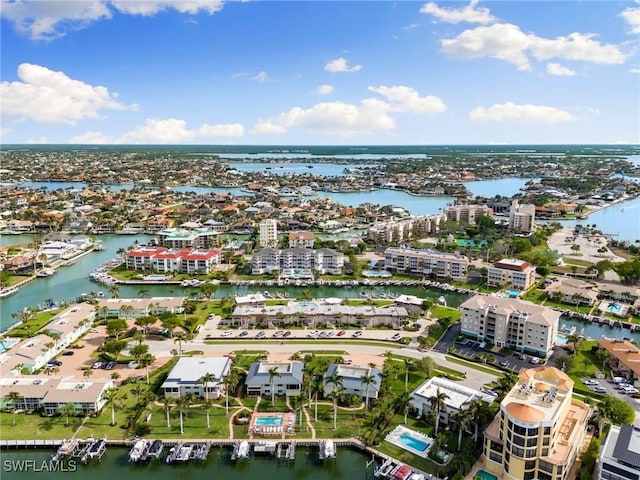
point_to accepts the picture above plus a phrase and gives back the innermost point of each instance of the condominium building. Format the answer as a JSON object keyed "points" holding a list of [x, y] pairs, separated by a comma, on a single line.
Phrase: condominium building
{"points": [[427, 262], [511, 323], [187, 374], [179, 260], [539, 430], [266, 260], [393, 231], [268, 233], [188, 238], [287, 380], [522, 217], [467, 213], [511, 273], [297, 263], [620, 454], [301, 239]]}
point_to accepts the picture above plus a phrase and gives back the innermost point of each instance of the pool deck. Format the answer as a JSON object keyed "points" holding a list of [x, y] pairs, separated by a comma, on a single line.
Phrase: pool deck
{"points": [[288, 425], [394, 435]]}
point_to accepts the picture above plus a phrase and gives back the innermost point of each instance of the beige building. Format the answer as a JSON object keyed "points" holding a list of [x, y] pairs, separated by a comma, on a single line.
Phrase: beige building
{"points": [[539, 430], [511, 273], [467, 213], [301, 239], [427, 262], [511, 323], [268, 233], [522, 217], [138, 307]]}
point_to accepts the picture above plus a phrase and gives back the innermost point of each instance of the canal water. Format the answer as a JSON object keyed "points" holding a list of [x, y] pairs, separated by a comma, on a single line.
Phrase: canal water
{"points": [[349, 465], [70, 282]]}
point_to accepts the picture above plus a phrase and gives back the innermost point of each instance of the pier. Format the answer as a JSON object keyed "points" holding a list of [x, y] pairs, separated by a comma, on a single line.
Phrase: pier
{"points": [[286, 451]]}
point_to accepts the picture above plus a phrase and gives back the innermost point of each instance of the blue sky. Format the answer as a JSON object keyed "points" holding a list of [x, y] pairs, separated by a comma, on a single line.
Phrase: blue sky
{"points": [[316, 73]]}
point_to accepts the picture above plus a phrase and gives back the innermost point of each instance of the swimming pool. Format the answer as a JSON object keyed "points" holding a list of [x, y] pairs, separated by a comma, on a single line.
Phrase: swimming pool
{"points": [[6, 345], [614, 308], [376, 273], [155, 276], [514, 293], [412, 442], [306, 304], [561, 340], [268, 421], [485, 475]]}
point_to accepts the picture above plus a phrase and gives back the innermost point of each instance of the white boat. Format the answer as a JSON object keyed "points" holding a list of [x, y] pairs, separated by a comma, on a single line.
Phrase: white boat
{"points": [[244, 449], [45, 272], [138, 449], [329, 449], [5, 292]]}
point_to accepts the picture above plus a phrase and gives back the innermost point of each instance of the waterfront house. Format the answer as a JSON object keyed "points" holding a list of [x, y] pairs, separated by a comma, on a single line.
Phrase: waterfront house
{"points": [[138, 307], [572, 291], [185, 377], [328, 261], [427, 262], [49, 394], [412, 303], [301, 239], [620, 293], [456, 397], [539, 430], [266, 260], [287, 381], [352, 381]]}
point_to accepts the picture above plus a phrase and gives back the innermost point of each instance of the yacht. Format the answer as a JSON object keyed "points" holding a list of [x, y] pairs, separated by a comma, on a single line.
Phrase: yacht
{"points": [[5, 292], [45, 272], [96, 450], [135, 455], [244, 449], [154, 450], [329, 449]]}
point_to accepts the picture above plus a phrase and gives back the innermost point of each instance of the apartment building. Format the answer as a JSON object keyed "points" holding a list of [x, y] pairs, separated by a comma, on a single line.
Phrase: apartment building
{"points": [[188, 238], [427, 262], [394, 231], [297, 262], [138, 307], [268, 233], [511, 323], [187, 374], [620, 454], [179, 260], [301, 239], [511, 273], [467, 213], [328, 261], [539, 430], [287, 381], [522, 217]]}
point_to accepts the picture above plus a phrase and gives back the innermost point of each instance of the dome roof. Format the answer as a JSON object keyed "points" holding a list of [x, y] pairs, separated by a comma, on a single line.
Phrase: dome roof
{"points": [[524, 413]]}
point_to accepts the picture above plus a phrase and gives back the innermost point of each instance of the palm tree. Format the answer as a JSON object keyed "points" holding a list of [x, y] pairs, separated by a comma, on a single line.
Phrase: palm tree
{"points": [[336, 381], [438, 404], [462, 419], [317, 387], [206, 379], [575, 340], [230, 382], [207, 406], [273, 373], [368, 380], [181, 404], [478, 410], [13, 397], [179, 338], [503, 385], [403, 402], [166, 403], [114, 290], [67, 409], [111, 397], [145, 361], [297, 403], [408, 363]]}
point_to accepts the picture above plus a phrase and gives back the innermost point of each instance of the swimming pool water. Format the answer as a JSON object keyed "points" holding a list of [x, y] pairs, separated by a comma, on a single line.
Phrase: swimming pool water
{"points": [[614, 308], [6, 345], [561, 340], [268, 421], [412, 442], [485, 475]]}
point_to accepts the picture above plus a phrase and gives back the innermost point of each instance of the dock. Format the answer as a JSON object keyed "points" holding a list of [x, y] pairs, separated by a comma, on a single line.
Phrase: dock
{"points": [[241, 450], [67, 449], [268, 448], [201, 452], [286, 451]]}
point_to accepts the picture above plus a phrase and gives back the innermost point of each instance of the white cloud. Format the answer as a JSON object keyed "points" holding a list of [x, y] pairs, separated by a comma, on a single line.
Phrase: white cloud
{"points": [[501, 40], [634, 70], [261, 77], [51, 19], [631, 15], [341, 65], [411, 26], [469, 13], [47, 96], [151, 7], [162, 131], [511, 113], [406, 99], [324, 89], [559, 70], [507, 42], [332, 118]]}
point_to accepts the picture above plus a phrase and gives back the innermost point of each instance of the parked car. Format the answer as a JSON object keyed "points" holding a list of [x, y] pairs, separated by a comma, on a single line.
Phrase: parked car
{"points": [[534, 360], [590, 382], [133, 364], [227, 333], [287, 333], [396, 337], [244, 333], [110, 366], [96, 365], [504, 363], [357, 334], [630, 390], [341, 333], [599, 389], [68, 353], [261, 334]]}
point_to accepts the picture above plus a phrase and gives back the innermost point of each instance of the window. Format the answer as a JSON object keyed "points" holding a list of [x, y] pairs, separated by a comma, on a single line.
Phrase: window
{"points": [[619, 471]]}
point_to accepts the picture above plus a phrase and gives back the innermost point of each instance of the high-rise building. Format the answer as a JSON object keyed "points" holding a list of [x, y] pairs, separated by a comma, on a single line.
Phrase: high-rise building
{"points": [[268, 233], [522, 217], [539, 430], [512, 273]]}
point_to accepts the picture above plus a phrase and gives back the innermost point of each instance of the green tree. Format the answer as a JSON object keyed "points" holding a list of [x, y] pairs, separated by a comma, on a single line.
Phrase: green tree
{"points": [[143, 292], [13, 397], [438, 404], [114, 401], [67, 409], [403, 401], [368, 380], [116, 326], [145, 361], [616, 411], [273, 374], [336, 380], [408, 364], [114, 348], [462, 419], [166, 403]]}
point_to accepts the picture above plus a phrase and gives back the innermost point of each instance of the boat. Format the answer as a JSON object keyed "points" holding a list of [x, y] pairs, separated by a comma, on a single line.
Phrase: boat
{"points": [[329, 449], [45, 272], [154, 450], [5, 292], [95, 450], [136, 453], [243, 450], [568, 329], [403, 472], [67, 448]]}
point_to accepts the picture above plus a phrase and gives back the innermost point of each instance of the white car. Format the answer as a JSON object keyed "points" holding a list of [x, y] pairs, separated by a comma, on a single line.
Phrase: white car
{"points": [[630, 390], [590, 382], [396, 337], [227, 333], [599, 389], [357, 334]]}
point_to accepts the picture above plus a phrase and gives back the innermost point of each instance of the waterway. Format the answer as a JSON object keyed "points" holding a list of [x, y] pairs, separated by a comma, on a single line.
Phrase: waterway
{"points": [[70, 282], [349, 465]]}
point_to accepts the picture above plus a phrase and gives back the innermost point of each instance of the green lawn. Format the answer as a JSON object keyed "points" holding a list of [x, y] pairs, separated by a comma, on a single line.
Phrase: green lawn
{"points": [[36, 427], [476, 366], [29, 329], [347, 425], [440, 311]]}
